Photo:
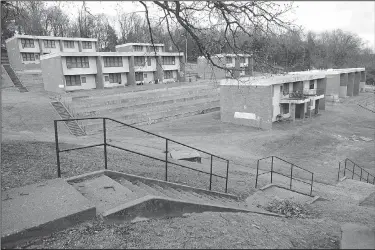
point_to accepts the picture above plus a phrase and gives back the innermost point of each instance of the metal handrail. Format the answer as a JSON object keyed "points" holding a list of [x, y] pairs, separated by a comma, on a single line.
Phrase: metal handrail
{"points": [[105, 144], [291, 172], [354, 173]]}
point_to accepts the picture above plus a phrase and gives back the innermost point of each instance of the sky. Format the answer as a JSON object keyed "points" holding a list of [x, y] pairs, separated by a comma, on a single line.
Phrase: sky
{"points": [[354, 16]]}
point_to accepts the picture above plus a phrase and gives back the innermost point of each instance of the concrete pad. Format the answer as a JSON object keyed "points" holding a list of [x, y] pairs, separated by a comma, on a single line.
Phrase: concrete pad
{"points": [[104, 192], [354, 236], [189, 155], [39, 209]]}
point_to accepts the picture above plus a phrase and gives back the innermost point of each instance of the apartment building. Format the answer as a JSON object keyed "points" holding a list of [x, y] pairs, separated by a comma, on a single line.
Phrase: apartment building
{"points": [[68, 71], [260, 101], [341, 83], [237, 65], [24, 51]]}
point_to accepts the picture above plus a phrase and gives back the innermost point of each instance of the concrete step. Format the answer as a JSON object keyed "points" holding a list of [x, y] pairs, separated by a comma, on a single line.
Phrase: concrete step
{"points": [[142, 103], [105, 193]]}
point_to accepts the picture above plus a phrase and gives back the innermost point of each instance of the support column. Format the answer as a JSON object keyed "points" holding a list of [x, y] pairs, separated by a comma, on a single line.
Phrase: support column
{"points": [[182, 76], [293, 111], [40, 42], [80, 46], [237, 67], [61, 43], [302, 112], [159, 69], [350, 84], [131, 75], [99, 75], [357, 79], [322, 85], [343, 84], [362, 82]]}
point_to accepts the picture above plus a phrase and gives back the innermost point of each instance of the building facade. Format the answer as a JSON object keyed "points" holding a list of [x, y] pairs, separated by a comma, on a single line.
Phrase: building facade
{"points": [[258, 102], [67, 71], [24, 51], [235, 66]]}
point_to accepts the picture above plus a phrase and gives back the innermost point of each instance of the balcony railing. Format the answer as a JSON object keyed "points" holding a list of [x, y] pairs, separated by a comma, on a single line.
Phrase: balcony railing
{"points": [[295, 95], [313, 92]]}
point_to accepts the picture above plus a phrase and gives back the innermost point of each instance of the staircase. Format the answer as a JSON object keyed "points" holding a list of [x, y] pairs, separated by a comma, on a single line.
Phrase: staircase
{"points": [[110, 190], [73, 126], [33, 81], [14, 78], [4, 56]]}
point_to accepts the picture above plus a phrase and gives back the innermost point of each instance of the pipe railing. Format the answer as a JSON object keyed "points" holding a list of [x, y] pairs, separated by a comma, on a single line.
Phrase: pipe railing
{"points": [[105, 144], [363, 176]]}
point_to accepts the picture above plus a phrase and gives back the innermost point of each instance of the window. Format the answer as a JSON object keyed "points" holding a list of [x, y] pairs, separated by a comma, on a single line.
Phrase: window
{"points": [[311, 84], [168, 74], [106, 78], [49, 44], [73, 80], [115, 78], [112, 61], [77, 62], [144, 75], [28, 57], [286, 88], [139, 61], [69, 44], [168, 60], [242, 60], [138, 76], [83, 79], [86, 45], [285, 108], [36, 57], [149, 61], [138, 48], [229, 59], [27, 43]]}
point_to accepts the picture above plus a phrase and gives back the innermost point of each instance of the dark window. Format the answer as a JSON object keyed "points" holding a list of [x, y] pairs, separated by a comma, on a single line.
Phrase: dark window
{"points": [[242, 60], [139, 61], [77, 62], [86, 45], [49, 44], [285, 108], [229, 59], [73, 80], [69, 44], [36, 56], [115, 78], [138, 76], [112, 61], [106, 78], [27, 43], [138, 48], [311, 84], [28, 57], [286, 88], [168, 74], [83, 79], [168, 60], [149, 61]]}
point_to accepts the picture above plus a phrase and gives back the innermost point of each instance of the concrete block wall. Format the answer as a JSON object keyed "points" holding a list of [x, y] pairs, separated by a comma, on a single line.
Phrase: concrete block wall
{"points": [[247, 105], [357, 79], [350, 84], [343, 85]]}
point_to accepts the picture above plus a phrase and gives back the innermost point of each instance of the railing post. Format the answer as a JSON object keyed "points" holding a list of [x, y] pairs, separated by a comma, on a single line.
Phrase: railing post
{"points": [[353, 171], [105, 144], [166, 159], [256, 179], [338, 174], [291, 176], [271, 169], [367, 176], [312, 182], [211, 173], [226, 182], [345, 167], [58, 150], [360, 178]]}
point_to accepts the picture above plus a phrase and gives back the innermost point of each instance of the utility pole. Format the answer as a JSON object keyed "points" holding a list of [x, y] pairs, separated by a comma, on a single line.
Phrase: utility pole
{"points": [[186, 48]]}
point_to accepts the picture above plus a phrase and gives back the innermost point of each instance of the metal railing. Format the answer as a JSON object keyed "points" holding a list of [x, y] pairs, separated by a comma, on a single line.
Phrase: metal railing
{"points": [[363, 176], [313, 92], [105, 144], [292, 165]]}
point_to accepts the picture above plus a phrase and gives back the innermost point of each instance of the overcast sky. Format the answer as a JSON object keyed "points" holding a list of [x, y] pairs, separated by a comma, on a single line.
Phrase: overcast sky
{"points": [[354, 16]]}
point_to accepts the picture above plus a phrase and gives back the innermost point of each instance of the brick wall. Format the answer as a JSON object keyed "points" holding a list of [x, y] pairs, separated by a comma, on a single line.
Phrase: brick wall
{"points": [[253, 104]]}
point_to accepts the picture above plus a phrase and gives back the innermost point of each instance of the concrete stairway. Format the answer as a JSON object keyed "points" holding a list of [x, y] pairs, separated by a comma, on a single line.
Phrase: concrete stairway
{"points": [[4, 56], [148, 106], [73, 126], [107, 192], [14, 78], [32, 80]]}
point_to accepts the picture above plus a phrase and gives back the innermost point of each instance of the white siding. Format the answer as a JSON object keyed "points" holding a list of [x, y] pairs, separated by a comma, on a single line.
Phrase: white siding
{"points": [[124, 68], [51, 50], [90, 84], [78, 71], [75, 49], [93, 49]]}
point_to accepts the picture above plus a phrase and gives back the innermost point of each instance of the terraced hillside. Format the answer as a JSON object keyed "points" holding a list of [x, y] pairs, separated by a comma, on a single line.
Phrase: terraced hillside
{"points": [[145, 107]]}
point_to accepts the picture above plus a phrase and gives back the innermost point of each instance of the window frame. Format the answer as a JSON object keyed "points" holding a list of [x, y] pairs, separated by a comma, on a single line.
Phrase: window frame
{"points": [[311, 83], [86, 45], [169, 60], [114, 78], [83, 62], [139, 74], [138, 48], [112, 61], [49, 44], [68, 43], [166, 73], [138, 59], [28, 57], [227, 61], [69, 82], [27, 43]]}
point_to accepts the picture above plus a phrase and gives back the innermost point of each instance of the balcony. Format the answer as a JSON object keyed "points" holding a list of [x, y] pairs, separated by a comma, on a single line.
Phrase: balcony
{"points": [[313, 92], [293, 97]]}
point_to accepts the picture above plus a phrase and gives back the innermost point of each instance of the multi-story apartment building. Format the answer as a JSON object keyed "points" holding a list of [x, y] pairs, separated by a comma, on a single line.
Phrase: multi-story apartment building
{"points": [[67, 71], [260, 101], [24, 51], [236, 65]]}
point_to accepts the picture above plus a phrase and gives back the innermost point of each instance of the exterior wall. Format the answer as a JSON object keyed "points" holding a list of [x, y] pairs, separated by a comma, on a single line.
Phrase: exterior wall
{"points": [[333, 83], [93, 48], [124, 80], [276, 95], [43, 49], [147, 68], [52, 74], [15, 58], [176, 66], [350, 84], [362, 82], [99, 78], [90, 83], [125, 49], [75, 49], [80, 71], [36, 48], [322, 84], [124, 68], [357, 79], [131, 75], [343, 84], [175, 77], [246, 105], [298, 86], [150, 77]]}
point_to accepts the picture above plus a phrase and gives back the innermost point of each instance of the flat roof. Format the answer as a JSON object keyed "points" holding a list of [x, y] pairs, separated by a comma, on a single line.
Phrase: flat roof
{"points": [[329, 71], [52, 38], [232, 55], [140, 44], [130, 53], [269, 80]]}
